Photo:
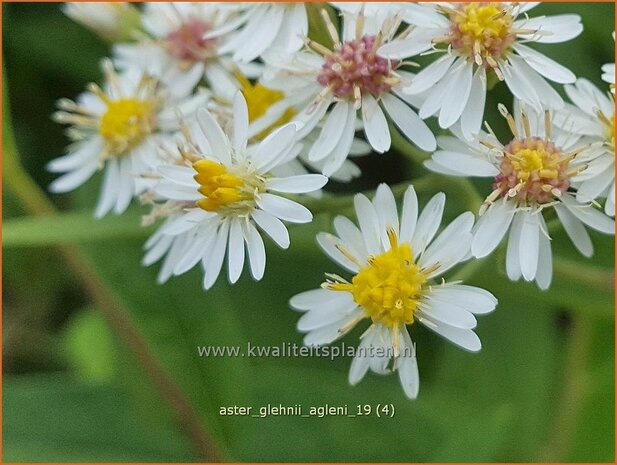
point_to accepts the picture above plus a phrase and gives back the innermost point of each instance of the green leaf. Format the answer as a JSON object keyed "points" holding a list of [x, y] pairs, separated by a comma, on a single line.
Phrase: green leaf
{"points": [[436, 427], [176, 318], [596, 413], [89, 347], [54, 419]]}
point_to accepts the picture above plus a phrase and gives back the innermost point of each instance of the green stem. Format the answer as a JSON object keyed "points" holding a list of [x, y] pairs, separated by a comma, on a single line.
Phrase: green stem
{"points": [[34, 200], [71, 228]]}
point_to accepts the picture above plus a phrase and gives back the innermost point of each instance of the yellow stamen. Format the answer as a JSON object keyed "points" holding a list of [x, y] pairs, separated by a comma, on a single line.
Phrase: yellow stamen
{"points": [[224, 191], [484, 21], [125, 124], [481, 31], [389, 288], [526, 161]]}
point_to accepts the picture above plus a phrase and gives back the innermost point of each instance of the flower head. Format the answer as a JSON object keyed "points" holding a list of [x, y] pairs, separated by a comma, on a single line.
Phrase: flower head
{"points": [[394, 266], [188, 44], [118, 128], [533, 172], [181, 45], [477, 40], [354, 68], [332, 83], [220, 191]]}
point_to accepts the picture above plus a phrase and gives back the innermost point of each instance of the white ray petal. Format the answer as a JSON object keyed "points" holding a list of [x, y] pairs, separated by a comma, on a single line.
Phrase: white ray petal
{"points": [[491, 228], [410, 124], [272, 226]]}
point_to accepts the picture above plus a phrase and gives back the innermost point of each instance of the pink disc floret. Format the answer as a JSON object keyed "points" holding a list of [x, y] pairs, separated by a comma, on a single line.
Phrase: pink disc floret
{"points": [[355, 64]]}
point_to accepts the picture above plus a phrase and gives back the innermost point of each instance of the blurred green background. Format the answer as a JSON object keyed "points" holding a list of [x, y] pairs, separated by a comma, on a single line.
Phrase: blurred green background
{"points": [[542, 388]]}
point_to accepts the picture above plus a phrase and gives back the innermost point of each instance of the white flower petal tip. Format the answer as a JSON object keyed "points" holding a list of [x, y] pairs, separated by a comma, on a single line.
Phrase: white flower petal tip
{"points": [[299, 184], [285, 209]]}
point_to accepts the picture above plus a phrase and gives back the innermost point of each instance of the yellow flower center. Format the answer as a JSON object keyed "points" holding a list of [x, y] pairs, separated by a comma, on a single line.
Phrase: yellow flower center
{"points": [[259, 99], [125, 124], [528, 161], [389, 288], [482, 31], [226, 192], [533, 170]]}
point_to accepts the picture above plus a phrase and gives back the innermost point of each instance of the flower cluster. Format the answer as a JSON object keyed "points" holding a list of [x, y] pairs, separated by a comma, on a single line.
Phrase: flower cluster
{"points": [[226, 117]]}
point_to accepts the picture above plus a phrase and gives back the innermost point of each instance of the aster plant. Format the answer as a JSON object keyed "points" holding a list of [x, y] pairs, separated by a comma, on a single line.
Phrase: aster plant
{"points": [[237, 122]]}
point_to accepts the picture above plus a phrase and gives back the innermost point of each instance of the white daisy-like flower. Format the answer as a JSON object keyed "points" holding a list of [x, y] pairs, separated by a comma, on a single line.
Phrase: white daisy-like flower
{"points": [[394, 266], [262, 27], [111, 20], [593, 117], [221, 191], [339, 82], [608, 72], [533, 172], [178, 49], [119, 129], [478, 40]]}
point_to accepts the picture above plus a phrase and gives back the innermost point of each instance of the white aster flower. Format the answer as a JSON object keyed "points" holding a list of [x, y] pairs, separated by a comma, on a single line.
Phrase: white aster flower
{"points": [[533, 172], [221, 191], [339, 82], [111, 20], [262, 27], [608, 72], [178, 48], [119, 129], [478, 40], [394, 266], [593, 117]]}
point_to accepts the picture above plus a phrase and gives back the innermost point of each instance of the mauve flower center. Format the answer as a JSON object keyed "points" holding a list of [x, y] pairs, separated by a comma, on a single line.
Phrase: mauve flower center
{"points": [[188, 43], [356, 65]]}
